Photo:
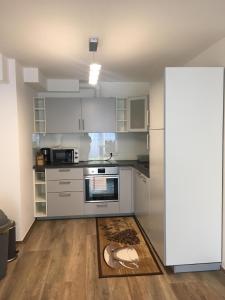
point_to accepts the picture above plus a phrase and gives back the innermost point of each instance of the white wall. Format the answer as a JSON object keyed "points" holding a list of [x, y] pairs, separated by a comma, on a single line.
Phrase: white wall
{"points": [[9, 150], [3, 68], [123, 89], [16, 196], [25, 129], [94, 146], [213, 56], [104, 89]]}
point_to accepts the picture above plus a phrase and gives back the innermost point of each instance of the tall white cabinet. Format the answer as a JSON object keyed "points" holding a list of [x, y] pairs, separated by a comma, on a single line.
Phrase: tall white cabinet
{"points": [[186, 170]]}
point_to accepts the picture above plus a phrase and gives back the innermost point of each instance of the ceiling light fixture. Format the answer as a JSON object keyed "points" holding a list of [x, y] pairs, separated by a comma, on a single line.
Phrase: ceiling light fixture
{"points": [[94, 67]]}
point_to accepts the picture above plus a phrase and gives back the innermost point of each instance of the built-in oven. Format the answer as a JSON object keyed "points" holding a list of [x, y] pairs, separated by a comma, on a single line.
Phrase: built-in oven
{"points": [[101, 184]]}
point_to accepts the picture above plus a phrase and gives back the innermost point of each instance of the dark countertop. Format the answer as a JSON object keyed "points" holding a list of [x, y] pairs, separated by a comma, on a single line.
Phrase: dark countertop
{"points": [[142, 167]]}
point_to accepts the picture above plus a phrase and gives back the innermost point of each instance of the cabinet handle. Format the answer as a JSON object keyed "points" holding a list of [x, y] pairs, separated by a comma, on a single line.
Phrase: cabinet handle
{"points": [[83, 123], [64, 170], [79, 124], [147, 118], [102, 205], [147, 141], [64, 194], [65, 182]]}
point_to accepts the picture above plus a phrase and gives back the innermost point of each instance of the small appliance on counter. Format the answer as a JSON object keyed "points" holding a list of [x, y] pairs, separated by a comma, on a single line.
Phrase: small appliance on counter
{"points": [[40, 161], [47, 155], [62, 156], [76, 155]]}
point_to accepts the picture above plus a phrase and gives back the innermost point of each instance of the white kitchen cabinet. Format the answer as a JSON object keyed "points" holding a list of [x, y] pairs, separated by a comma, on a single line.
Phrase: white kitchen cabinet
{"points": [[64, 173], [65, 204], [186, 160], [125, 194], [70, 115], [63, 115], [121, 115], [99, 115], [138, 114], [157, 200], [102, 208], [39, 115], [40, 197], [65, 196], [65, 185], [142, 200]]}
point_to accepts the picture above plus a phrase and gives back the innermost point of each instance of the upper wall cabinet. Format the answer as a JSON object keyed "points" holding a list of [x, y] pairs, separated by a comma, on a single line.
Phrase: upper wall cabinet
{"points": [[121, 115], [63, 115], [39, 115], [99, 114], [70, 115], [132, 114], [138, 114]]}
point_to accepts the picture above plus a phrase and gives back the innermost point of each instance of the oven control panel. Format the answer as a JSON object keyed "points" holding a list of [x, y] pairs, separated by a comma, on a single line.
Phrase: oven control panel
{"points": [[101, 171]]}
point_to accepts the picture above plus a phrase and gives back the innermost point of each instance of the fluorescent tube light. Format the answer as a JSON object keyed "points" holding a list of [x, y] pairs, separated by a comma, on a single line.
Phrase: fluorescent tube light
{"points": [[94, 73]]}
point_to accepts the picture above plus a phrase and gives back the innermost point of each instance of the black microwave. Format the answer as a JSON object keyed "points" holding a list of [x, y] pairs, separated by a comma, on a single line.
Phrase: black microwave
{"points": [[62, 156]]}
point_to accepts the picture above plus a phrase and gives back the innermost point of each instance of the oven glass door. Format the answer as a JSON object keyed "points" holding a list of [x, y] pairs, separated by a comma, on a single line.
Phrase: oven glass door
{"points": [[101, 188]]}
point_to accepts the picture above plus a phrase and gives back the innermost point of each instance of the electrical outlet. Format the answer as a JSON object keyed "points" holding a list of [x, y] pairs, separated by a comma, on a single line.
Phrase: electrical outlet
{"points": [[115, 154]]}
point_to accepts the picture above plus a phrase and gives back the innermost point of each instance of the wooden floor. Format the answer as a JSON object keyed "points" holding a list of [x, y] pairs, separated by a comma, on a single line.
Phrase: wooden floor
{"points": [[59, 261]]}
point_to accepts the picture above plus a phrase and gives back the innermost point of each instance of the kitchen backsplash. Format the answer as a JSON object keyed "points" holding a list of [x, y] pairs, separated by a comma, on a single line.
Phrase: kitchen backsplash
{"points": [[96, 145]]}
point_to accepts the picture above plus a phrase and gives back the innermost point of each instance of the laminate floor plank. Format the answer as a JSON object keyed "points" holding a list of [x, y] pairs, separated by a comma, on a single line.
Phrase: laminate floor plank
{"points": [[59, 261], [28, 277]]}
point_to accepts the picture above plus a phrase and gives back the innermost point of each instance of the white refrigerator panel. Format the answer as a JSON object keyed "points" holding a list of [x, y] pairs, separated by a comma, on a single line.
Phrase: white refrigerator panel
{"points": [[156, 225], [193, 164]]}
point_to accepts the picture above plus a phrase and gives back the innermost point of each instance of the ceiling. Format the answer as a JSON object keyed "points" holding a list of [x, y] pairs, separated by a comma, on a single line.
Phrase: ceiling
{"points": [[137, 38]]}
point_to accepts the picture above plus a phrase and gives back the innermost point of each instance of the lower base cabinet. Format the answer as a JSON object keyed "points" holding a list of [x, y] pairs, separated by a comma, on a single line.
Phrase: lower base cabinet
{"points": [[126, 190], [65, 195], [142, 200], [65, 204], [102, 208]]}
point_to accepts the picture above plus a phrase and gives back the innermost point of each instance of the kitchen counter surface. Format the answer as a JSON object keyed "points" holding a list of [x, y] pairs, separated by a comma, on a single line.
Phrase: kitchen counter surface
{"points": [[143, 167]]}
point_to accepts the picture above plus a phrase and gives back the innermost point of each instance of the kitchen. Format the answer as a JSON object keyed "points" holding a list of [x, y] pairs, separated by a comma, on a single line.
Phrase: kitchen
{"points": [[117, 124]]}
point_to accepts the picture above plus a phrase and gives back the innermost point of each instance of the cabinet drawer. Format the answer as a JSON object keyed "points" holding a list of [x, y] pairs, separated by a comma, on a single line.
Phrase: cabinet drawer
{"points": [[65, 204], [101, 208], [64, 185], [64, 173]]}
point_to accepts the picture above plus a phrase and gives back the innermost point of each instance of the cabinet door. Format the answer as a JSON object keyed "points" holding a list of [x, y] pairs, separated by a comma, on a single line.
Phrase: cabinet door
{"points": [[142, 200], [126, 195], [99, 115], [65, 204], [63, 115], [194, 164], [64, 185], [139, 194], [64, 173], [101, 208], [137, 114]]}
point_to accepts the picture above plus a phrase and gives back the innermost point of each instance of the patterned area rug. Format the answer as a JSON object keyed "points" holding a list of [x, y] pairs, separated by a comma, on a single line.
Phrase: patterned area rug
{"points": [[122, 249]]}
